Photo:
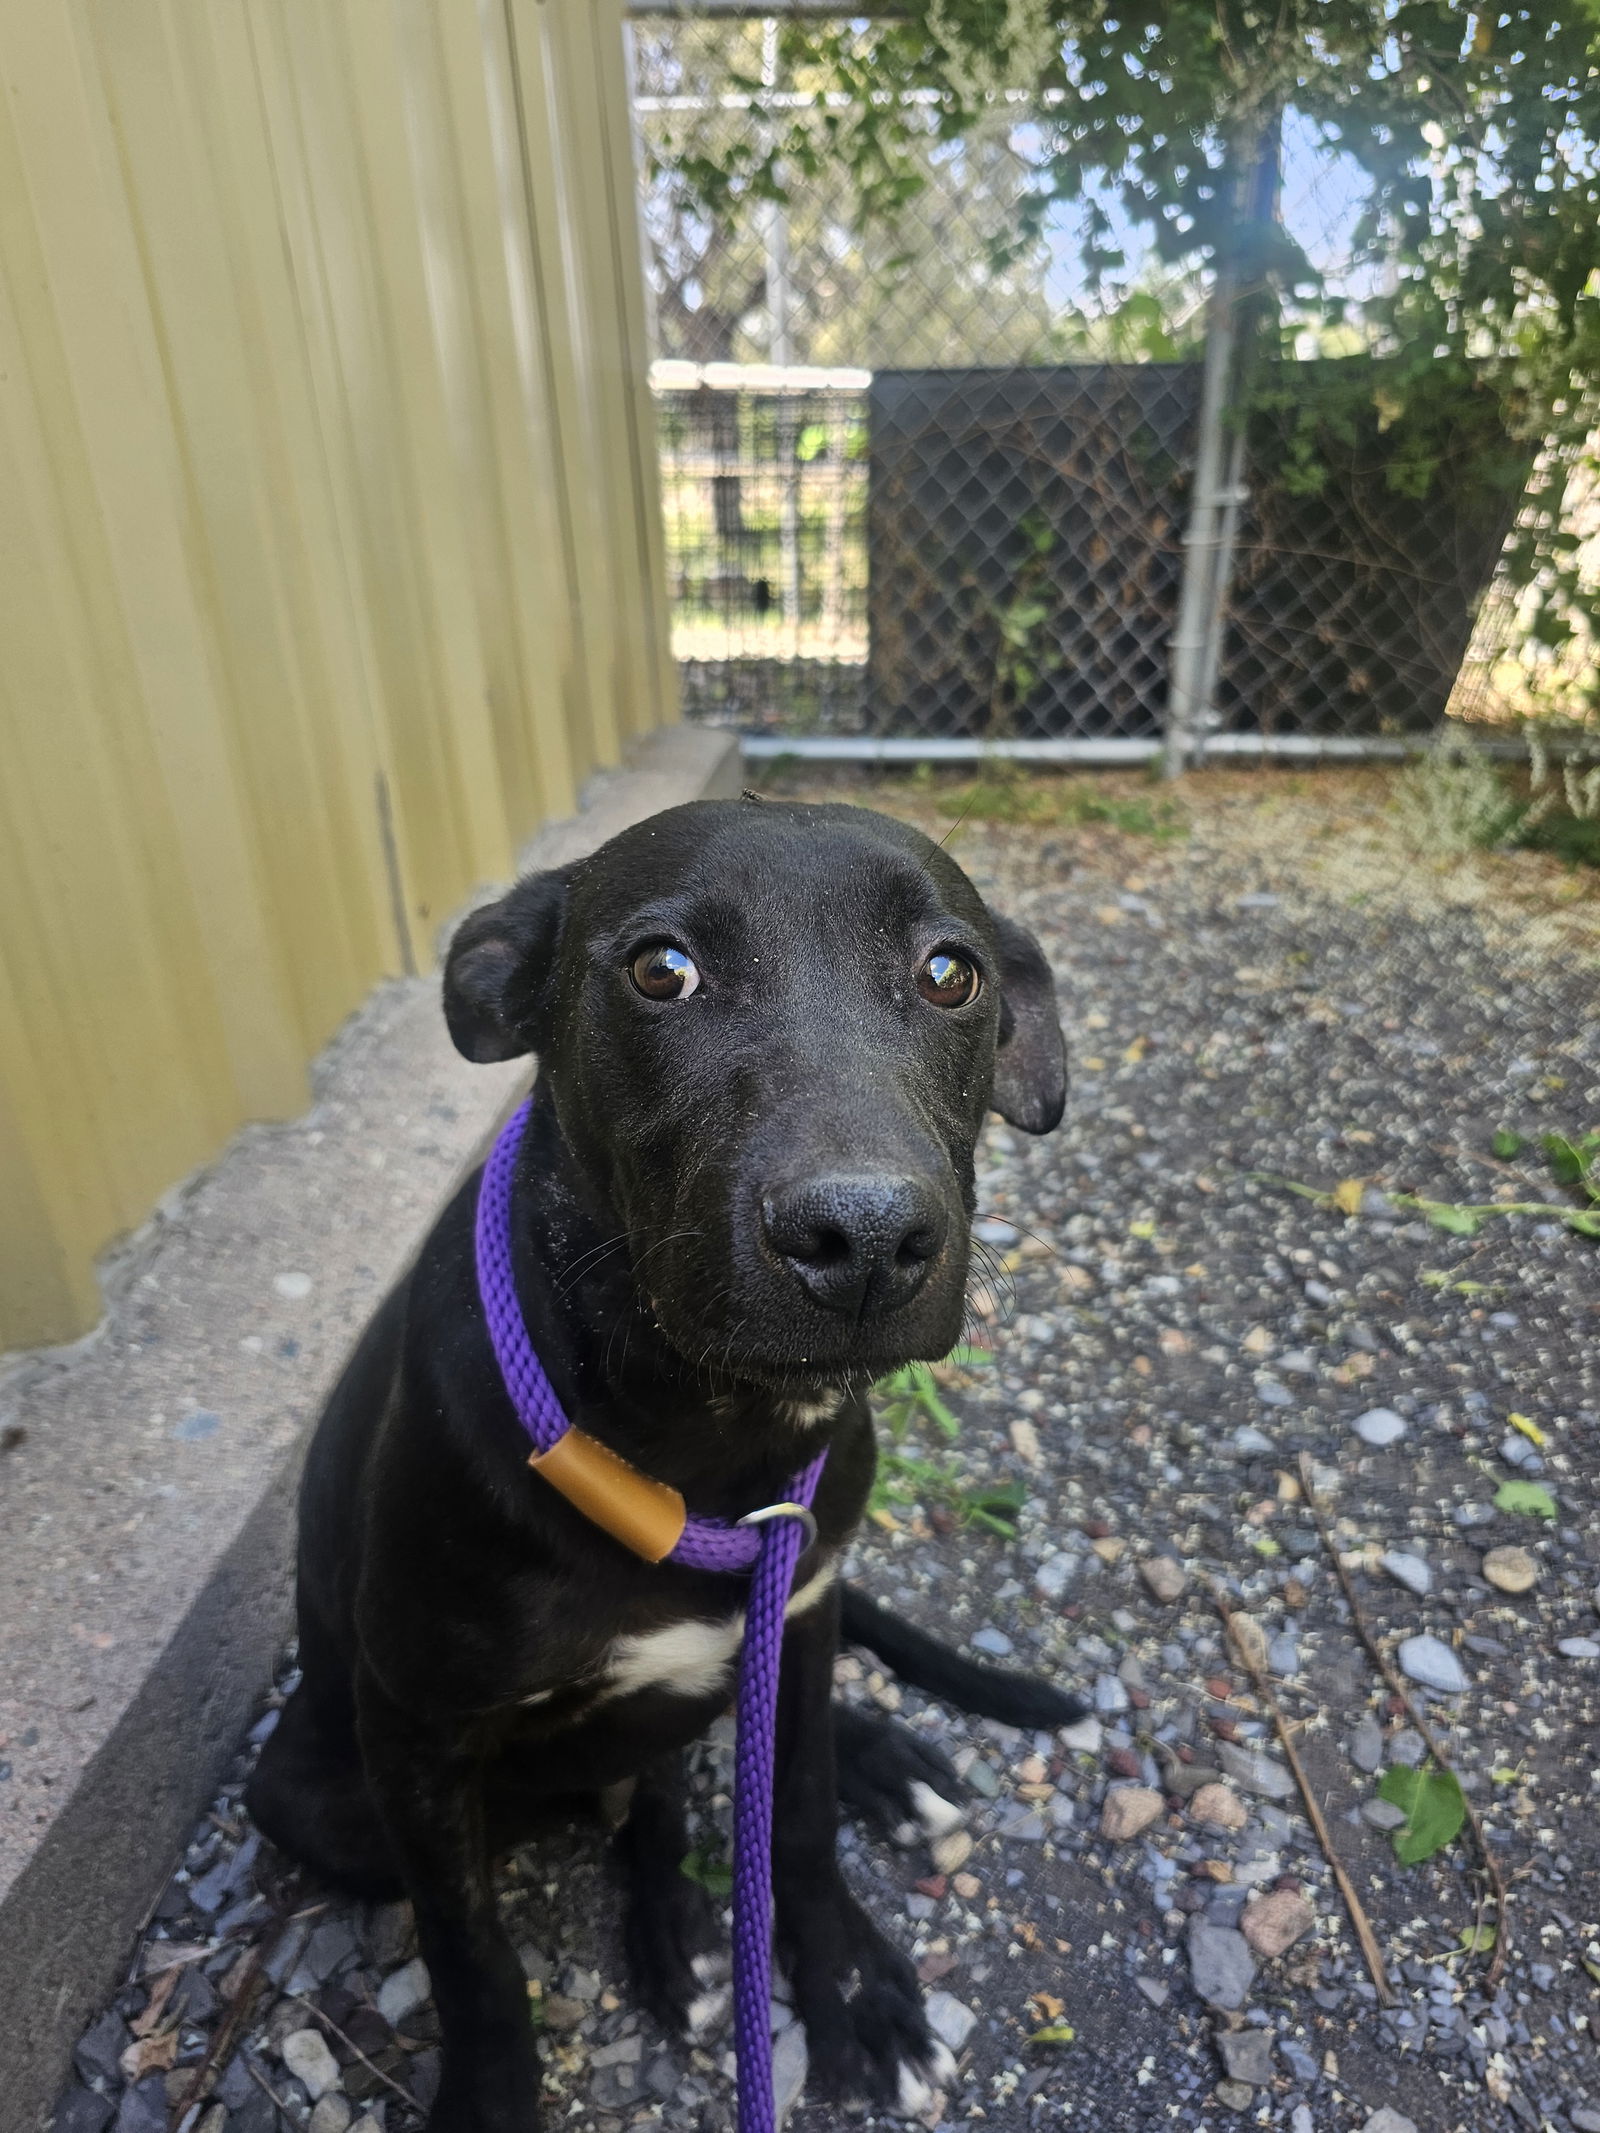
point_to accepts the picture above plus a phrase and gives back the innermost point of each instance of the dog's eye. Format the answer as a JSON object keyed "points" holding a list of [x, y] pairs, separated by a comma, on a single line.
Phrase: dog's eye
{"points": [[948, 979], [664, 973]]}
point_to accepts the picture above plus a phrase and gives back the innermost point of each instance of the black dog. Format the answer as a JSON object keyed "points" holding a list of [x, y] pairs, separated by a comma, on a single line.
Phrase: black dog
{"points": [[768, 1035]]}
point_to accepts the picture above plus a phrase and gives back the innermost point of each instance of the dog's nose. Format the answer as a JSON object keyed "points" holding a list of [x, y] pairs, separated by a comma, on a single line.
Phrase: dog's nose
{"points": [[861, 1245]]}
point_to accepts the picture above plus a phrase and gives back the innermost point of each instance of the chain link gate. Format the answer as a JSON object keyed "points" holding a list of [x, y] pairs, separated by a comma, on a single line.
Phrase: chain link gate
{"points": [[936, 519]]}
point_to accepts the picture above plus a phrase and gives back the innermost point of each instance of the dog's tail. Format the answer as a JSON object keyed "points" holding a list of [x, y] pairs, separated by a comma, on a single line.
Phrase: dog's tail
{"points": [[984, 1691]]}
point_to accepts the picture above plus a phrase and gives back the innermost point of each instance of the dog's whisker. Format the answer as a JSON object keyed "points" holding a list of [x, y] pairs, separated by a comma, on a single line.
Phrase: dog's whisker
{"points": [[577, 1268]]}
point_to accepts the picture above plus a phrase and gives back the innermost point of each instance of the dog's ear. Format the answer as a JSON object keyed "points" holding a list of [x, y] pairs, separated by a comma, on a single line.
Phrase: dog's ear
{"points": [[1030, 1068], [499, 973]]}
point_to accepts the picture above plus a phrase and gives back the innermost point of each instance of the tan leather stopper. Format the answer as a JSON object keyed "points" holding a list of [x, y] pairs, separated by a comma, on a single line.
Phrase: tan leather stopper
{"points": [[644, 1515]]}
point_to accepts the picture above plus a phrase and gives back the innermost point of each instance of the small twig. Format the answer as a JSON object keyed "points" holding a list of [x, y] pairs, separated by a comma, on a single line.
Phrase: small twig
{"points": [[329, 2023], [226, 2034], [262, 2082], [1397, 1688], [1352, 1902]]}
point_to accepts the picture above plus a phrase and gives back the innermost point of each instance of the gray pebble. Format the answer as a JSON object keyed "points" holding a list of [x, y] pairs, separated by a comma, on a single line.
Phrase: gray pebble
{"points": [[305, 2053], [144, 2109], [1408, 1747], [100, 2048], [1302, 2064], [1246, 2054], [993, 1641], [1220, 1963], [1110, 1697], [1578, 1648], [1253, 1443], [1256, 1773], [82, 2111], [1433, 1664], [790, 2063], [1023, 1825], [1410, 1571], [403, 1992], [1382, 1814], [1366, 1746], [1055, 1574], [950, 2019], [1379, 1426]]}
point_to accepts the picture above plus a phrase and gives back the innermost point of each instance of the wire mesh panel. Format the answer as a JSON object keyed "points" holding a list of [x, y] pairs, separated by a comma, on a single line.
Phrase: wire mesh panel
{"points": [[1352, 601], [1024, 548], [764, 479]]}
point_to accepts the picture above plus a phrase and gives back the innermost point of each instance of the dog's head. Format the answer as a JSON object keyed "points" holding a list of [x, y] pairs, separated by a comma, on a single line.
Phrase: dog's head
{"points": [[771, 1032]]}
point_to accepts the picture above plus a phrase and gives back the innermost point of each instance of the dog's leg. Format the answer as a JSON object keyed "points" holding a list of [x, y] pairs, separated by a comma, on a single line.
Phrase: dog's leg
{"points": [[675, 1940], [875, 2043], [308, 1795], [890, 1779], [430, 1792], [964, 1684]]}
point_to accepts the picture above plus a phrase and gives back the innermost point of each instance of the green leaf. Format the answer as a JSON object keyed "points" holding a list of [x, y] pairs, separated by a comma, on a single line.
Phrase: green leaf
{"points": [[1459, 1221], [1529, 1496], [1564, 1159], [1506, 1144], [1434, 1807], [1478, 1940], [996, 1506], [1586, 1225], [967, 1358], [1055, 2033], [713, 1872]]}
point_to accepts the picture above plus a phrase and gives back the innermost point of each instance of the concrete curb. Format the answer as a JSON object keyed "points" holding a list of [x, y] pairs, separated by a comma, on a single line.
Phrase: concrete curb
{"points": [[146, 1508]]}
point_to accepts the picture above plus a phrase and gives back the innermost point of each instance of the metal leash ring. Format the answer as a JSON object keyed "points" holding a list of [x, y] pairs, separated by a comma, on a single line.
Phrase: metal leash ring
{"points": [[783, 1510]]}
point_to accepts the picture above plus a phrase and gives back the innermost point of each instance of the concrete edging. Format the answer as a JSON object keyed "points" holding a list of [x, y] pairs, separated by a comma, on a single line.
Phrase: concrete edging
{"points": [[173, 1436]]}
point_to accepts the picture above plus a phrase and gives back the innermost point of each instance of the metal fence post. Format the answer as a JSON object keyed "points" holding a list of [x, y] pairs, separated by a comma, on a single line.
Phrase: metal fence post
{"points": [[1211, 536], [1202, 599]]}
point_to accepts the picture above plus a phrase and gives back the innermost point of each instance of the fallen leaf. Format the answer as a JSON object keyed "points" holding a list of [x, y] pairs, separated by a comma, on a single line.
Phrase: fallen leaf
{"points": [[1435, 1809], [156, 2007], [1529, 1496], [151, 2055], [1347, 1196], [1525, 1427]]}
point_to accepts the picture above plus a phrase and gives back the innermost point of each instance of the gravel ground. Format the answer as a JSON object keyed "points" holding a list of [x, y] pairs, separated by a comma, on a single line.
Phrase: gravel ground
{"points": [[1286, 989]]}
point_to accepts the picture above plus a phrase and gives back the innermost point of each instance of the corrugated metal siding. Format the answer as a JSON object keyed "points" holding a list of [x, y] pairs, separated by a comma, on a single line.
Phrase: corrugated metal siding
{"points": [[329, 547]]}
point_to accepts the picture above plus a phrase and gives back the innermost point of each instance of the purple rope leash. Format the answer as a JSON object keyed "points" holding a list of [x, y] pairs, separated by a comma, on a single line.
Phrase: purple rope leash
{"points": [[771, 1550]]}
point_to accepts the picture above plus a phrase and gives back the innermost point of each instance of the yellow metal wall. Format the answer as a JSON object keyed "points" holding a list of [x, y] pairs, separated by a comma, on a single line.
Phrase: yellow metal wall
{"points": [[329, 549]]}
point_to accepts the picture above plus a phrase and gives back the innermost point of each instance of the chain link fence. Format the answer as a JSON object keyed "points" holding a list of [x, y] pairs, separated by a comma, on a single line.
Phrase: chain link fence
{"points": [[922, 483]]}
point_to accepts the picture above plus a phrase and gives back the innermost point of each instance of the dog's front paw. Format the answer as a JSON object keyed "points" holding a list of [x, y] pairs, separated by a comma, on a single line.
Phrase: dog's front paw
{"points": [[894, 1781], [494, 2089], [676, 1956], [866, 2026]]}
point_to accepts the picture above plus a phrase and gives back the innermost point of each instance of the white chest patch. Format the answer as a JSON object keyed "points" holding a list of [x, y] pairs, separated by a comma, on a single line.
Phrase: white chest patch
{"points": [[691, 1658]]}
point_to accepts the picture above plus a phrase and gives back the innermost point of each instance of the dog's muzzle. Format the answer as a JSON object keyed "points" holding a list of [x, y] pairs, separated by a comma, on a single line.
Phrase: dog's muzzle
{"points": [[861, 1246]]}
